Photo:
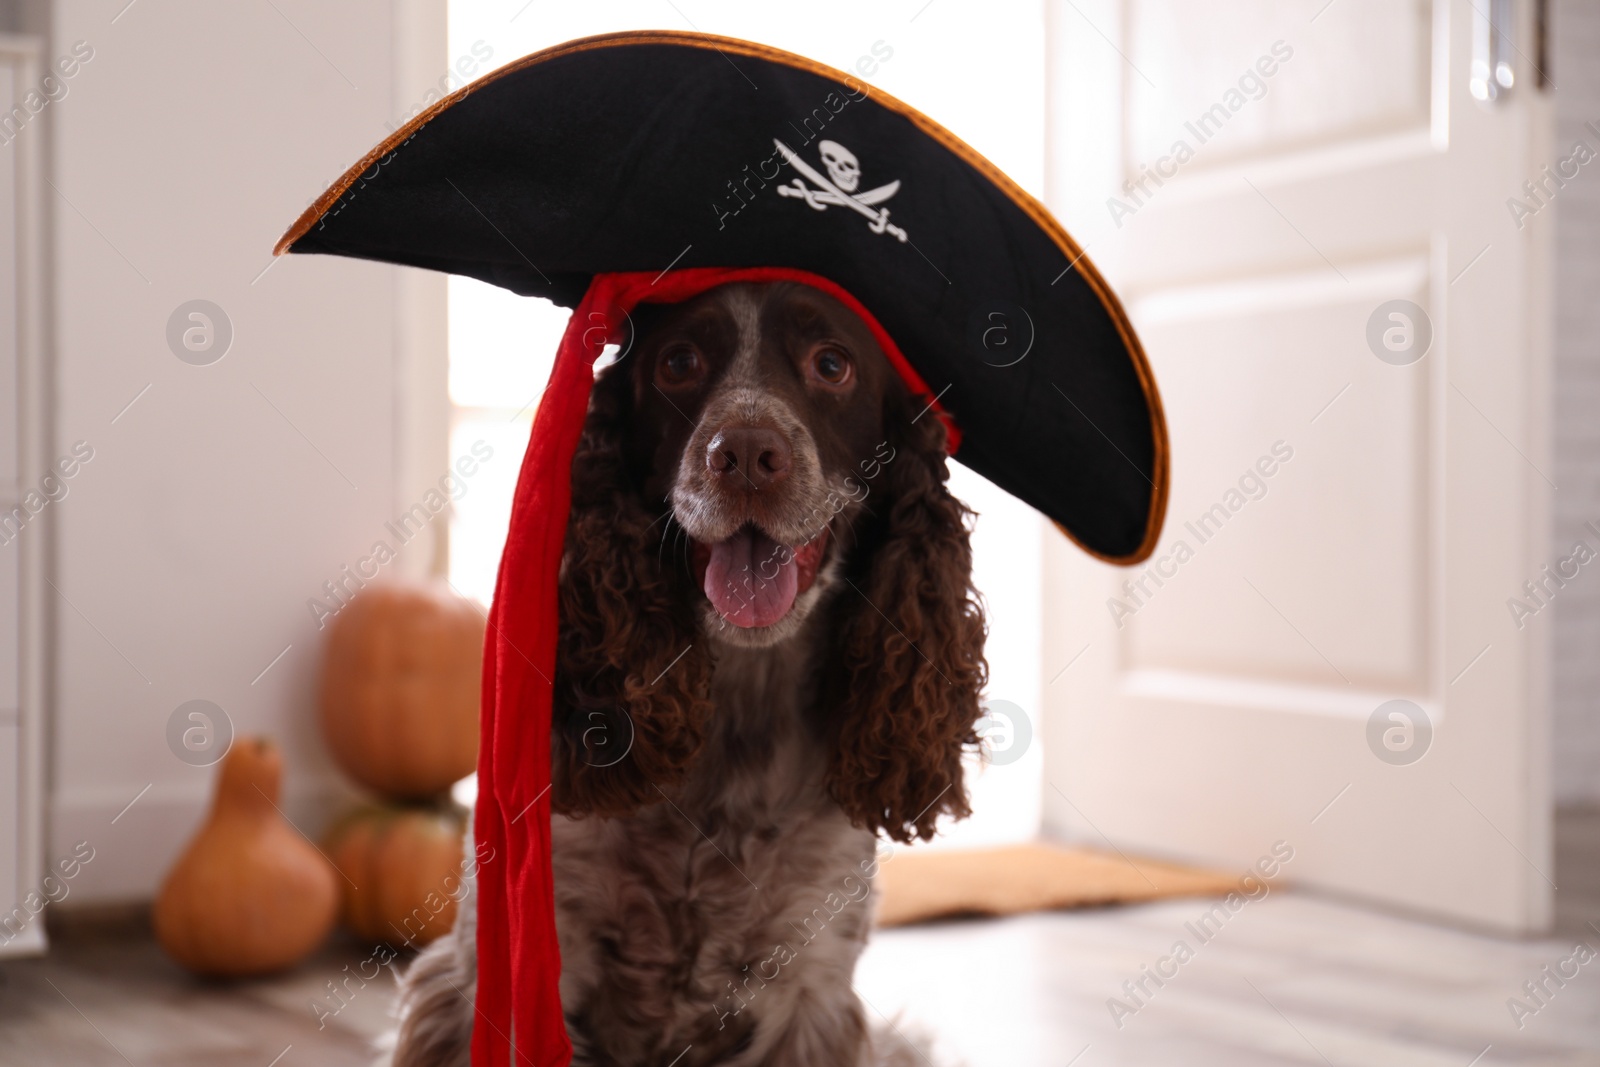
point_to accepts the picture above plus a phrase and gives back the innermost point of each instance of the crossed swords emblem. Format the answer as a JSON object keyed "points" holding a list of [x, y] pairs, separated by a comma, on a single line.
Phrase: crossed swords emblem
{"points": [[829, 193]]}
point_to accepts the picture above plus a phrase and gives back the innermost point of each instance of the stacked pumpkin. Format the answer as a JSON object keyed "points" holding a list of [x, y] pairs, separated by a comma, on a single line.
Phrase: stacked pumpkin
{"points": [[399, 707]]}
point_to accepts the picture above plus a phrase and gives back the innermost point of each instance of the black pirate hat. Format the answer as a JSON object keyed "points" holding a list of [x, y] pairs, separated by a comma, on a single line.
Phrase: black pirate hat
{"points": [[656, 151]]}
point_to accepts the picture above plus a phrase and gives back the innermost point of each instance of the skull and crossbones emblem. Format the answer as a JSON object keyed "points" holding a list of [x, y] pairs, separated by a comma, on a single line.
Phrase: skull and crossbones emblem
{"points": [[838, 187], [843, 167]]}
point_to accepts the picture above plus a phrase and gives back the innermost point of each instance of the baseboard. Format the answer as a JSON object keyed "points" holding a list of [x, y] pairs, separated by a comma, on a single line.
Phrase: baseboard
{"points": [[134, 844]]}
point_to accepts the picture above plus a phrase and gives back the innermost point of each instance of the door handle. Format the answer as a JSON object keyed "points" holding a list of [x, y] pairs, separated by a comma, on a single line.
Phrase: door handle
{"points": [[1492, 75]]}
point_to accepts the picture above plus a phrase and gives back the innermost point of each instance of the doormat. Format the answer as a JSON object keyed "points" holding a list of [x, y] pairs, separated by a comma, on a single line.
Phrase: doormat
{"points": [[914, 886]]}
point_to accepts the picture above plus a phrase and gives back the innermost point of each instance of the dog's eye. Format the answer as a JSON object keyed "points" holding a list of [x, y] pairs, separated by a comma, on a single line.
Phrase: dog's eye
{"points": [[678, 365], [830, 365]]}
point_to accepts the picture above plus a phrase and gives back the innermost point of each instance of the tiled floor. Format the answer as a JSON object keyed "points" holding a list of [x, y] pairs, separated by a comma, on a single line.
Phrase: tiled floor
{"points": [[1292, 979]]}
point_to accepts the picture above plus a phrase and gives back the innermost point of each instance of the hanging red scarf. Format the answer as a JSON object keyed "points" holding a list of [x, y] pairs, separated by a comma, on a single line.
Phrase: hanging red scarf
{"points": [[519, 962]]}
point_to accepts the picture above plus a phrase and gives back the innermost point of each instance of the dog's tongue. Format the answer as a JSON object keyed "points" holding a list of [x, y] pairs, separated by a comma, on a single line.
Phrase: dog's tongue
{"points": [[751, 579]]}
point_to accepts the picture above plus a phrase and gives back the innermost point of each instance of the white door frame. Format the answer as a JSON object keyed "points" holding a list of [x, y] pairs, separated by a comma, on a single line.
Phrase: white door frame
{"points": [[20, 57]]}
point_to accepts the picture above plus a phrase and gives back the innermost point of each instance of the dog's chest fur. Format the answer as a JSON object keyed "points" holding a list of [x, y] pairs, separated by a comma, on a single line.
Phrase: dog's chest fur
{"points": [[729, 916]]}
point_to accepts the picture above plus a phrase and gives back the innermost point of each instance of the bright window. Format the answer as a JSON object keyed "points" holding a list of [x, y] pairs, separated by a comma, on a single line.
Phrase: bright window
{"points": [[501, 349]]}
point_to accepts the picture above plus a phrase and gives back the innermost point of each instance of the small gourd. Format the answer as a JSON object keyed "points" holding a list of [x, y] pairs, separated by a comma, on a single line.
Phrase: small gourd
{"points": [[249, 895]]}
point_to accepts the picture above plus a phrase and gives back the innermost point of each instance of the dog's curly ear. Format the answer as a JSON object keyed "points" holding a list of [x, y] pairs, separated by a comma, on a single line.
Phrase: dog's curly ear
{"points": [[909, 663], [632, 677]]}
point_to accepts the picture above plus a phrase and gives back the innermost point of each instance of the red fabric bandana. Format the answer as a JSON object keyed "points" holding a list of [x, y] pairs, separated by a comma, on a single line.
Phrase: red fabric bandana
{"points": [[519, 962]]}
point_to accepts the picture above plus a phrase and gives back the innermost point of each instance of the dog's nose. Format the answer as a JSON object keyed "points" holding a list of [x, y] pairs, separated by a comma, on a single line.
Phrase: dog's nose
{"points": [[748, 458]]}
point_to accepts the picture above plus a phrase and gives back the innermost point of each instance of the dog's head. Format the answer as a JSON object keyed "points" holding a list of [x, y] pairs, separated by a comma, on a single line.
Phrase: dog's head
{"points": [[762, 411], [755, 462]]}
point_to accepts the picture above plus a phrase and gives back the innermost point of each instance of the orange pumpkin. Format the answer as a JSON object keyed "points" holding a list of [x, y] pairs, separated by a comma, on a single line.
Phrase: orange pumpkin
{"points": [[400, 689], [405, 871], [249, 895]]}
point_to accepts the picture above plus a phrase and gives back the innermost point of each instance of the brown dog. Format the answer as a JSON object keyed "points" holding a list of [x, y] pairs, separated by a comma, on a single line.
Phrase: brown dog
{"points": [[751, 684]]}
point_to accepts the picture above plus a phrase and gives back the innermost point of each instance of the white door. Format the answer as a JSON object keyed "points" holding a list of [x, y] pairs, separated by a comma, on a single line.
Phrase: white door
{"points": [[25, 495], [1312, 221]]}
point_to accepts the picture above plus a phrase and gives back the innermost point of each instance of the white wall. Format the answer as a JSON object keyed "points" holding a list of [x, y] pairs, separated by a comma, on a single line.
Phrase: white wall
{"points": [[217, 504], [1575, 41]]}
